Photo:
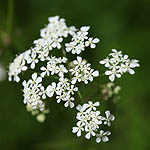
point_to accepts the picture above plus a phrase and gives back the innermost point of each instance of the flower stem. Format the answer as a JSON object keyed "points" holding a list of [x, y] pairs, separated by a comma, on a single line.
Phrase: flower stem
{"points": [[64, 53], [80, 96], [9, 23]]}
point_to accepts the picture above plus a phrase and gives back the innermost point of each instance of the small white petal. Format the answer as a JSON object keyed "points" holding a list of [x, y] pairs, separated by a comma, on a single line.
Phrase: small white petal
{"points": [[96, 40], [112, 77], [95, 73], [108, 73], [87, 136]]}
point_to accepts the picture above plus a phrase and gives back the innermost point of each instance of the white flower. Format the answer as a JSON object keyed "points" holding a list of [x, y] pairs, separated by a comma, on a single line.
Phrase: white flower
{"points": [[43, 92], [89, 130], [79, 61], [112, 73], [91, 106], [46, 71], [32, 60], [127, 67], [35, 79], [134, 63], [43, 55], [78, 129], [92, 42], [109, 117], [61, 70], [51, 89], [70, 46], [116, 53], [69, 102], [56, 43], [106, 62], [71, 89], [102, 136]]}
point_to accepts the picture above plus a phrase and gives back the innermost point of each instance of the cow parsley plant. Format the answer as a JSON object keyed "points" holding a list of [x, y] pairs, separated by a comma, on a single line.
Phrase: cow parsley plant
{"points": [[65, 75]]}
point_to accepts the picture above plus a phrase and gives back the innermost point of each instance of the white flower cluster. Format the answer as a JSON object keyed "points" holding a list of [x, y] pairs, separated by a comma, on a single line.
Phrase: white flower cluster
{"points": [[63, 90], [16, 67], [2, 72], [90, 121], [54, 66], [80, 41], [119, 64], [82, 71], [32, 92], [51, 37]]}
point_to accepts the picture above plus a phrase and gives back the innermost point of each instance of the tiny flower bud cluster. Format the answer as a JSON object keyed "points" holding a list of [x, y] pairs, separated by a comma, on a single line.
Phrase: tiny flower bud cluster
{"points": [[110, 91], [119, 64], [40, 114], [90, 121]]}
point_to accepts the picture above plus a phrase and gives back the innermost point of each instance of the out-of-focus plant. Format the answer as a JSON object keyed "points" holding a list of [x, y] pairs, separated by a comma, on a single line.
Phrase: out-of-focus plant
{"points": [[3, 73], [61, 76], [111, 92]]}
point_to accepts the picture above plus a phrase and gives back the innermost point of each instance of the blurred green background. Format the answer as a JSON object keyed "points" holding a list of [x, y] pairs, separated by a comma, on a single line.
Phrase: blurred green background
{"points": [[124, 25]]}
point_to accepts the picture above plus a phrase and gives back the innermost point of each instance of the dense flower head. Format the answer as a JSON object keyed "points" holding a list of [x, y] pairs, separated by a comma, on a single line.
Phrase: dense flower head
{"points": [[118, 64], [31, 92], [82, 71], [16, 67], [80, 41], [90, 121]]}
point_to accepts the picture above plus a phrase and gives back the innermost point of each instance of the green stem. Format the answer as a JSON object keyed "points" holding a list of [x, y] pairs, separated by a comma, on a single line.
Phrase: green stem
{"points": [[9, 23], [64, 53], [80, 96]]}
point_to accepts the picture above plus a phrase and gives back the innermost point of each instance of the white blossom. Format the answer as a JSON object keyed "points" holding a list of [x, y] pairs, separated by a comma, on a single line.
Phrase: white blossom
{"points": [[102, 136], [32, 59], [112, 74], [109, 117], [118, 64], [69, 102], [88, 118], [51, 89], [16, 67], [32, 94], [92, 42], [80, 41], [82, 71]]}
